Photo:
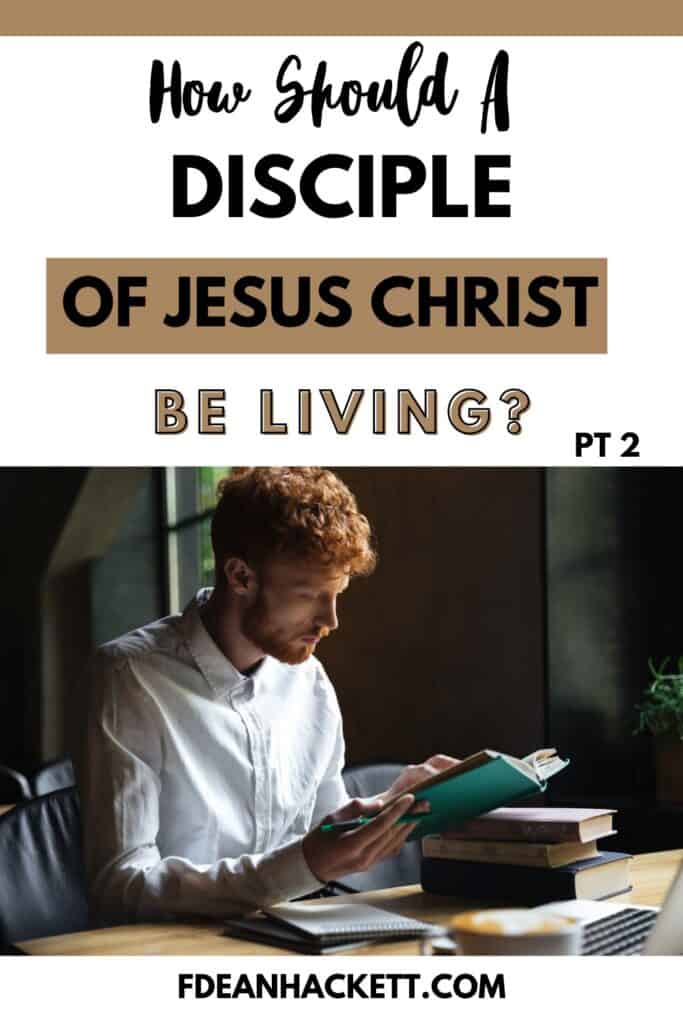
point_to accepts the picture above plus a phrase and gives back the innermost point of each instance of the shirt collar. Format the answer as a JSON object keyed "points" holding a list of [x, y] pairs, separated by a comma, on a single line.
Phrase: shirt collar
{"points": [[219, 671]]}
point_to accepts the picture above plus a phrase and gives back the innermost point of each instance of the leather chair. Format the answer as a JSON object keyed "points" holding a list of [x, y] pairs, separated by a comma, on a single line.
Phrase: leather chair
{"points": [[53, 775], [14, 787], [42, 882], [404, 868]]}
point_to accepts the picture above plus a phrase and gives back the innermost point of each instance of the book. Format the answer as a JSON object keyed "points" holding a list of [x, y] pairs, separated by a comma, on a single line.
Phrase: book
{"points": [[595, 879], [269, 933], [480, 783], [490, 851], [537, 824], [325, 928]]}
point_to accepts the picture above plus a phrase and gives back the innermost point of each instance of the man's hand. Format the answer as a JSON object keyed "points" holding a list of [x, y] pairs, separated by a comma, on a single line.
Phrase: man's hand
{"points": [[332, 854], [414, 775]]}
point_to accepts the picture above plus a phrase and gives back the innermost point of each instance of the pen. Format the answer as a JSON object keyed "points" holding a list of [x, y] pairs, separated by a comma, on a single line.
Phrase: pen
{"points": [[347, 826], [344, 826]]}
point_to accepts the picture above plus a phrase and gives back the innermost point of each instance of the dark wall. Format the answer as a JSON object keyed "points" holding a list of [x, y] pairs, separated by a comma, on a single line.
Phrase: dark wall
{"points": [[442, 649], [126, 584], [34, 504], [58, 599], [615, 561]]}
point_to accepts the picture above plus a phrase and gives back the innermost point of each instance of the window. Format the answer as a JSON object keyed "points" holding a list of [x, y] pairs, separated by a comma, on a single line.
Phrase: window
{"points": [[190, 497]]}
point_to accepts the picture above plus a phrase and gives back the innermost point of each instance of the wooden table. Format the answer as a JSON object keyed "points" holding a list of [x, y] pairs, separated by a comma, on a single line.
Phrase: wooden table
{"points": [[4, 808], [651, 873]]}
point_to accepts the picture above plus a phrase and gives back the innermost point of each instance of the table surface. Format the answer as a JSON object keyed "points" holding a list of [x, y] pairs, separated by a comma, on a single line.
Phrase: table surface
{"points": [[4, 808], [651, 874]]}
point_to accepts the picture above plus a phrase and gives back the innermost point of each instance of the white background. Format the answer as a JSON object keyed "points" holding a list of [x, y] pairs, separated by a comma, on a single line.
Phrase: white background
{"points": [[595, 144], [564, 990], [596, 159]]}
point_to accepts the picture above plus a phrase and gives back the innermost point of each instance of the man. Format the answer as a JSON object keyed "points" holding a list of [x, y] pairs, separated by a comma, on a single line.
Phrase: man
{"points": [[215, 746]]}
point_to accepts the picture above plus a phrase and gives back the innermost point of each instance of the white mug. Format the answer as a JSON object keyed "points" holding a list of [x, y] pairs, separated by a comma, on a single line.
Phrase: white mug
{"points": [[520, 931]]}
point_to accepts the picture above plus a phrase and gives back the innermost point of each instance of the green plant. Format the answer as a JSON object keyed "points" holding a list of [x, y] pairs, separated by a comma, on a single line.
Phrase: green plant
{"points": [[661, 709]]}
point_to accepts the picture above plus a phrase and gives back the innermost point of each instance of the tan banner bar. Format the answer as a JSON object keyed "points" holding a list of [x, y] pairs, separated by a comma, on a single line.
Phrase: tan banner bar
{"points": [[327, 305], [354, 17]]}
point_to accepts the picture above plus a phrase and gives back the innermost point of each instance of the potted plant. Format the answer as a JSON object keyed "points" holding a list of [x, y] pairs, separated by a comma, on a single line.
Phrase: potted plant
{"points": [[661, 714]]}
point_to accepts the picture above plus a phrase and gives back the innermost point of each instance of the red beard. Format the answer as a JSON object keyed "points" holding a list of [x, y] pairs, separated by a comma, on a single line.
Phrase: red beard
{"points": [[273, 641]]}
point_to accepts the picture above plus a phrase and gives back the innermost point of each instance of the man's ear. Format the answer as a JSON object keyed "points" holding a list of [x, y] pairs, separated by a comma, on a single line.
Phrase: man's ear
{"points": [[239, 577]]}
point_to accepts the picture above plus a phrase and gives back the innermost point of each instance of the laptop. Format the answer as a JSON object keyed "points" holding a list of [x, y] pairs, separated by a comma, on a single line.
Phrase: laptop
{"points": [[627, 929]]}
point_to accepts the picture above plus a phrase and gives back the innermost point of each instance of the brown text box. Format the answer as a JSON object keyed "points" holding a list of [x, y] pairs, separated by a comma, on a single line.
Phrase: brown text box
{"points": [[462, 279], [356, 17]]}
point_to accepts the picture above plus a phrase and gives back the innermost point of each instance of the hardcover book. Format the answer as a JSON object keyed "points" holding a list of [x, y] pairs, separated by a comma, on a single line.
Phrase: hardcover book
{"points": [[491, 851], [598, 878], [537, 824], [480, 783]]}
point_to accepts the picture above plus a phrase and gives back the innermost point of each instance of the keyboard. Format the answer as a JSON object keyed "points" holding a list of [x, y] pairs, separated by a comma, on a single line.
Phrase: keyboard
{"points": [[620, 934]]}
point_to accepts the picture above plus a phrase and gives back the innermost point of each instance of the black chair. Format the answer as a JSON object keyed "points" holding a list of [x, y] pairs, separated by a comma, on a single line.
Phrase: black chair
{"points": [[53, 775], [14, 787], [404, 868], [42, 882]]}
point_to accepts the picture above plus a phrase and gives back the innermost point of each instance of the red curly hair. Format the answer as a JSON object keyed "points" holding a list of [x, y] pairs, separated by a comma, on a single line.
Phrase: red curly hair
{"points": [[298, 510]]}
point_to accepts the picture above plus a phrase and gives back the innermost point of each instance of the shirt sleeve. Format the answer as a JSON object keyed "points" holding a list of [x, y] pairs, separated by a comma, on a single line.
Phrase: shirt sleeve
{"points": [[119, 777], [331, 794]]}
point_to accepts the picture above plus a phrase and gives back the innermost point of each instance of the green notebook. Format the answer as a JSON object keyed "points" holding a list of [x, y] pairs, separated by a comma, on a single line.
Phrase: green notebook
{"points": [[479, 784]]}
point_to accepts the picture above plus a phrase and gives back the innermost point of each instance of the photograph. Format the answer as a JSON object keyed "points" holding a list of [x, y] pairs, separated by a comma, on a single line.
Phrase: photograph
{"points": [[366, 710]]}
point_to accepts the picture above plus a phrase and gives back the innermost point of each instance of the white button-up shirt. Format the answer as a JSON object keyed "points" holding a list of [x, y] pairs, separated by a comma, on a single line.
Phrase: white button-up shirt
{"points": [[198, 783]]}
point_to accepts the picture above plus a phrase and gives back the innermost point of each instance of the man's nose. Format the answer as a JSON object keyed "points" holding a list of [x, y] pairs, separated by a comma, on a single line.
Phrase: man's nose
{"points": [[327, 616]]}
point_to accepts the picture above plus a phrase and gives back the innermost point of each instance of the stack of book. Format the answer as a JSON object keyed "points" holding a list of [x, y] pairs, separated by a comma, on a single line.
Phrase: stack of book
{"points": [[527, 854]]}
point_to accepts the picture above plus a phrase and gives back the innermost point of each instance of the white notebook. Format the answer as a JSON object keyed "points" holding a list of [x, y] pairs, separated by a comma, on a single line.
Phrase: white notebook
{"points": [[345, 921]]}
